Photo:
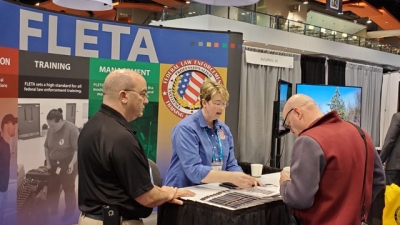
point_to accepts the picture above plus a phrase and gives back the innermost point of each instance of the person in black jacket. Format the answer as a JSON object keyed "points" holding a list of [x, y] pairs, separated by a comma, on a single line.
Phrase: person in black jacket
{"points": [[390, 154]]}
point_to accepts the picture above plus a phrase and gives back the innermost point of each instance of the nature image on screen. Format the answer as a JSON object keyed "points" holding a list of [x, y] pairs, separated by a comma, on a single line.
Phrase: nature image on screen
{"points": [[345, 100]]}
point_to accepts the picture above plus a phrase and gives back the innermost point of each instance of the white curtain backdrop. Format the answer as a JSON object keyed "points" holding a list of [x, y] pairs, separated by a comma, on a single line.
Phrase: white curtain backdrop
{"points": [[258, 90], [389, 104], [370, 79]]}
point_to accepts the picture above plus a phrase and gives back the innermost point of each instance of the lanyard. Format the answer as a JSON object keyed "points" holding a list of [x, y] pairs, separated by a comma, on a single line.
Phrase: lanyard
{"points": [[221, 154]]}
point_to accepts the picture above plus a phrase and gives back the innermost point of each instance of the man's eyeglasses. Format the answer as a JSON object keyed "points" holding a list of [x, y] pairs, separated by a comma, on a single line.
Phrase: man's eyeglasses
{"points": [[284, 121], [142, 94], [223, 104]]}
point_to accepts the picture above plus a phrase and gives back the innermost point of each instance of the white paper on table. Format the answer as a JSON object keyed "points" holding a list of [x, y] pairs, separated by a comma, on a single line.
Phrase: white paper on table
{"points": [[259, 192]]}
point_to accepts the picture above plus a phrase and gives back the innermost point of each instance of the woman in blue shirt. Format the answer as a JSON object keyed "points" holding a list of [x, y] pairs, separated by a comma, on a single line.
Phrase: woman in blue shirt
{"points": [[202, 146]]}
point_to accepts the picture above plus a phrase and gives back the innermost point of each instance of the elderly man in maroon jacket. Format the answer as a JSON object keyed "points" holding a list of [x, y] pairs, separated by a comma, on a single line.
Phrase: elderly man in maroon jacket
{"points": [[327, 167]]}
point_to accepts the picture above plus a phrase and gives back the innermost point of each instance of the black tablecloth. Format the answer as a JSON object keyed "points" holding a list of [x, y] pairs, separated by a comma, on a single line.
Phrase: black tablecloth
{"points": [[195, 213]]}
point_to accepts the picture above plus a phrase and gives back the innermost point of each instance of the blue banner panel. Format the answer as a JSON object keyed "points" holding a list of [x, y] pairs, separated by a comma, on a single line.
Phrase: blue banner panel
{"points": [[31, 29]]}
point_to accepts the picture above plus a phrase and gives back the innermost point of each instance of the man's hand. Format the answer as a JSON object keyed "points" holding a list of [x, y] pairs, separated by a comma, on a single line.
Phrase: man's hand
{"points": [[184, 193], [70, 168], [243, 180], [181, 193], [283, 178], [171, 191]]}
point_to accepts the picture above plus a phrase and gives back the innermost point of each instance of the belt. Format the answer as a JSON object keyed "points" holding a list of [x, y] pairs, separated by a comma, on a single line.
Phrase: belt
{"points": [[100, 217]]}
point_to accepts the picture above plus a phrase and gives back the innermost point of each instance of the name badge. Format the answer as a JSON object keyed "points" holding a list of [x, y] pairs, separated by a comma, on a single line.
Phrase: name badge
{"points": [[58, 170], [216, 166]]}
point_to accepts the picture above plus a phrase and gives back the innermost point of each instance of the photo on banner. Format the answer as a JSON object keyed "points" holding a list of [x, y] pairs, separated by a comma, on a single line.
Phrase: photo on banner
{"points": [[52, 109], [9, 181]]}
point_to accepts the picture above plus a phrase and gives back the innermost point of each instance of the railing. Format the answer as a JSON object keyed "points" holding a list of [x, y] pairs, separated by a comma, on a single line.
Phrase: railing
{"points": [[277, 22]]}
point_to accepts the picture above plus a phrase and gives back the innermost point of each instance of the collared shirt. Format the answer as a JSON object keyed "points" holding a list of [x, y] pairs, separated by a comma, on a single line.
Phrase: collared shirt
{"points": [[113, 168], [192, 152], [63, 143]]}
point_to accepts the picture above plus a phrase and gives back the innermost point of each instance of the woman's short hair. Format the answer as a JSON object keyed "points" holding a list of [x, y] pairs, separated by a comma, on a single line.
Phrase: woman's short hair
{"points": [[210, 88], [55, 114]]}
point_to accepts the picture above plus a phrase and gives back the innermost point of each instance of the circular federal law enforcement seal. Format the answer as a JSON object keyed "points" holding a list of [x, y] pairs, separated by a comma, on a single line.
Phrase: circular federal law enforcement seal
{"points": [[397, 215], [181, 85]]}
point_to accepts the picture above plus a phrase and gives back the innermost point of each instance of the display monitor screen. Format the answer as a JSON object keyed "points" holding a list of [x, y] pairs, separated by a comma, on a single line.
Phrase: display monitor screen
{"points": [[346, 100], [285, 91]]}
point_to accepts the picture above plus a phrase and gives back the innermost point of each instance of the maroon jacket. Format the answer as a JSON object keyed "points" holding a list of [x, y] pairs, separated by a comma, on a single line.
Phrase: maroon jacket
{"points": [[337, 195]]}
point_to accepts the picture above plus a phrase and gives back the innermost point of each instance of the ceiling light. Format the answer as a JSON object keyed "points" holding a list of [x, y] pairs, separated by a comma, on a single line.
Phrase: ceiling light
{"points": [[369, 20], [305, 2], [187, 2], [37, 4], [227, 2], [89, 5]]}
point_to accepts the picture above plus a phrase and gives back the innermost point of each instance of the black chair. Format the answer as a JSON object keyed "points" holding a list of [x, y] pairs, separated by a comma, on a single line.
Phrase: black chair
{"points": [[155, 173]]}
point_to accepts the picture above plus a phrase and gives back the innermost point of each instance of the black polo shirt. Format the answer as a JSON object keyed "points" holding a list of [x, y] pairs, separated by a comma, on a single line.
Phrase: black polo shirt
{"points": [[113, 168]]}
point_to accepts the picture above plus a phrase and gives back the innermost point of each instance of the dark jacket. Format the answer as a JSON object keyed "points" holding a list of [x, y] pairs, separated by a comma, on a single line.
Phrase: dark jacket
{"points": [[391, 146]]}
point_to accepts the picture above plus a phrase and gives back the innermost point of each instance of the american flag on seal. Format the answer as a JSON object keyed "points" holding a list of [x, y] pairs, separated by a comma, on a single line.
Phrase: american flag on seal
{"points": [[189, 86]]}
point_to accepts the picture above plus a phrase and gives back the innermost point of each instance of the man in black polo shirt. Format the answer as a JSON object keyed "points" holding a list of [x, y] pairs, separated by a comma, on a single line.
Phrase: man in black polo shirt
{"points": [[113, 168]]}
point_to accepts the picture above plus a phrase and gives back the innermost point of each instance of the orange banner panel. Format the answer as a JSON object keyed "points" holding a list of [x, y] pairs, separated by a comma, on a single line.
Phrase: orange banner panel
{"points": [[9, 61]]}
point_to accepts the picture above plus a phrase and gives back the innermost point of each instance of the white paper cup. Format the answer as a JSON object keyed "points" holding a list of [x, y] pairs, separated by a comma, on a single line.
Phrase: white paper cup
{"points": [[286, 170], [256, 170]]}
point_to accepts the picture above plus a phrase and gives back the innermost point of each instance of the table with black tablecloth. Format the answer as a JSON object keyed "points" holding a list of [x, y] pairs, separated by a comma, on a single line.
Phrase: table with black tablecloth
{"points": [[197, 213]]}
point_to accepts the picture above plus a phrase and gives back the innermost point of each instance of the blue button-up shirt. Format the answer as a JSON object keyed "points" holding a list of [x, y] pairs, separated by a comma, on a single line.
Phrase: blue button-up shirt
{"points": [[192, 151]]}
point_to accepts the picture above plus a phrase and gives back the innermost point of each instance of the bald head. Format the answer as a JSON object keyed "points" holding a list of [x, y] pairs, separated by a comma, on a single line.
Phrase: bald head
{"points": [[119, 80], [303, 111], [301, 100], [126, 92]]}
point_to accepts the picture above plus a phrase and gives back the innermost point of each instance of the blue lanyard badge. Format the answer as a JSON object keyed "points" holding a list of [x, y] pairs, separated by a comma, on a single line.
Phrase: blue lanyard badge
{"points": [[221, 154]]}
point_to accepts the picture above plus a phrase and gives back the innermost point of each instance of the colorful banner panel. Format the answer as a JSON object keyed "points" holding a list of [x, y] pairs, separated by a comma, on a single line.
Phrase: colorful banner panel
{"points": [[49, 85], [180, 86], [53, 76], [56, 64], [8, 73], [9, 181]]}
